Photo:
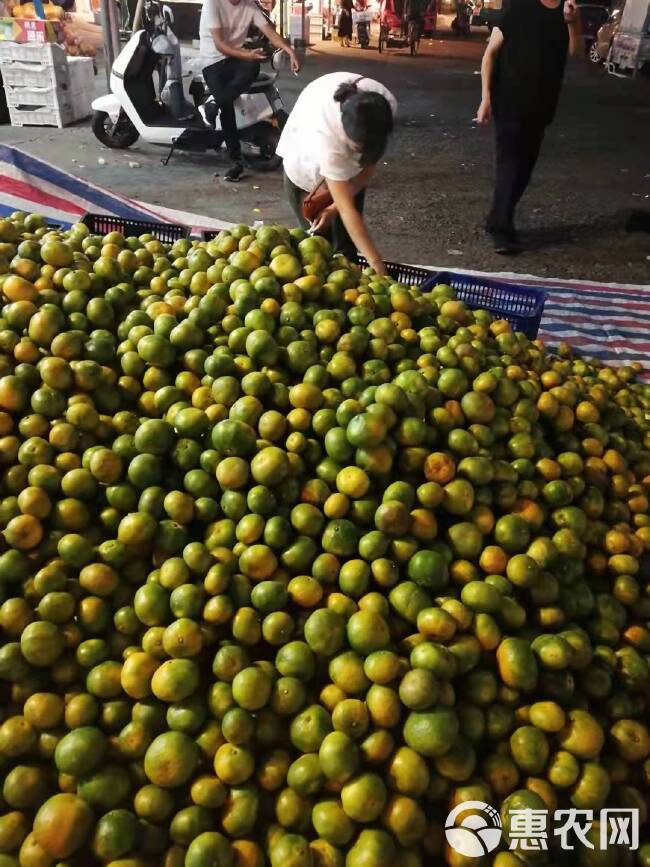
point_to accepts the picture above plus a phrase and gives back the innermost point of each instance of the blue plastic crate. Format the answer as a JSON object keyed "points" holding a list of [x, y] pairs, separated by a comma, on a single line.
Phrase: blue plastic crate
{"points": [[521, 306]]}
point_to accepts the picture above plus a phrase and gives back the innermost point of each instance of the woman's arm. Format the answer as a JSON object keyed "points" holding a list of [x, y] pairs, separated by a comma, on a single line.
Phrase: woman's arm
{"points": [[492, 50], [358, 183], [361, 181], [572, 18], [343, 193]]}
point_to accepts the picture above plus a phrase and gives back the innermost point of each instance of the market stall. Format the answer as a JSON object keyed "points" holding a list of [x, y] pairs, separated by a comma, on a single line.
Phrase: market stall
{"points": [[47, 63], [75, 25]]}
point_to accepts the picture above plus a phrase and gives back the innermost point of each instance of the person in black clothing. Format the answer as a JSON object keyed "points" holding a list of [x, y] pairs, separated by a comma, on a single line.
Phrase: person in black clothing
{"points": [[414, 11], [345, 22], [522, 73]]}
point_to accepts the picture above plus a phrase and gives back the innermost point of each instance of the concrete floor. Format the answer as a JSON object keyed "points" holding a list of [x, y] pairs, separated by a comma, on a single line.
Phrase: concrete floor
{"points": [[429, 199]]}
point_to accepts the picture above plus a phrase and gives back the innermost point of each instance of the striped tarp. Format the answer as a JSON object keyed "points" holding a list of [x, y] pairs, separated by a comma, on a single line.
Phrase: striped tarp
{"points": [[34, 185], [30, 184], [613, 324], [611, 321]]}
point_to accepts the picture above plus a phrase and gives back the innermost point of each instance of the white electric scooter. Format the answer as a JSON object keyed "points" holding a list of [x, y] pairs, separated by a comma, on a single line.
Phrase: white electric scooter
{"points": [[150, 99]]}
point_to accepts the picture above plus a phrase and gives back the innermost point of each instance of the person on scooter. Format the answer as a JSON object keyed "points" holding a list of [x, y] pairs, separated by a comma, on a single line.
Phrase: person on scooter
{"points": [[229, 68], [331, 144]]}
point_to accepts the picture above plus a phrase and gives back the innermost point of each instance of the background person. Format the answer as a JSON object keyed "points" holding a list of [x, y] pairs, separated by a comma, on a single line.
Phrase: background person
{"points": [[345, 22], [335, 135], [359, 16], [229, 68], [414, 11], [521, 74]]}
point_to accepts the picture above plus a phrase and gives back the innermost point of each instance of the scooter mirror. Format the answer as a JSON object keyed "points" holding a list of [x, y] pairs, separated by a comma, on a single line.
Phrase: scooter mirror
{"points": [[279, 60]]}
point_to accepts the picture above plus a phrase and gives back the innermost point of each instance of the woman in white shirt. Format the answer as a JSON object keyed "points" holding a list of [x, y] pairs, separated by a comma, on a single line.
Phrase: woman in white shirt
{"points": [[336, 134]]}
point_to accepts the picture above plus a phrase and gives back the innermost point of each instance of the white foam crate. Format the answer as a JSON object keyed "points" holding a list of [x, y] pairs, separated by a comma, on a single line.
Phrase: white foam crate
{"points": [[81, 103], [43, 116], [46, 53], [81, 73], [17, 73], [37, 97], [77, 102]]}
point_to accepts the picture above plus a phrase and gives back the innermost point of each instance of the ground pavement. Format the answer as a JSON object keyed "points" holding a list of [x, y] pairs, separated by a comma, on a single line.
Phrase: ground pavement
{"points": [[431, 193]]}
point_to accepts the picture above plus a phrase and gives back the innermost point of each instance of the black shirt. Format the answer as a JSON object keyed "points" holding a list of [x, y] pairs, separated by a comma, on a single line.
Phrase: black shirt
{"points": [[415, 8], [530, 66]]}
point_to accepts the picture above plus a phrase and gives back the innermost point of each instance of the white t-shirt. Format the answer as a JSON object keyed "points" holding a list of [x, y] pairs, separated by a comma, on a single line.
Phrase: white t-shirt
{"points": [[313, 144], [233, 19]]}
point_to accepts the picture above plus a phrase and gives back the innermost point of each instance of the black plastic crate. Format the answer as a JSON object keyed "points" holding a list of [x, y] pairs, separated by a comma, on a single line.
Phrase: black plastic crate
{"points": [[102, 224]]}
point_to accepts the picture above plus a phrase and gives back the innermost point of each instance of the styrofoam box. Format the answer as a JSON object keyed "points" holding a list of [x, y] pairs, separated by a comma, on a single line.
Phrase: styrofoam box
{"points": [[46, 54], [73, 104], [81, 103], [17, 73], [43, 116], [37, 97], [81, 73]]}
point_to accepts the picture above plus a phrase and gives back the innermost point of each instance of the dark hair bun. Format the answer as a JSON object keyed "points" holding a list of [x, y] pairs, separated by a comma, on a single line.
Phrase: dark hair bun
{"points": [[345, 91]]}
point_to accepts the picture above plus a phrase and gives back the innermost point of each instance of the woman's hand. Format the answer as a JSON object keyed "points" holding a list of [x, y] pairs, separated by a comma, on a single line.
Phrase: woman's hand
{"points": [[484, 113], [343, 194], [570, 12], [324, 219]]}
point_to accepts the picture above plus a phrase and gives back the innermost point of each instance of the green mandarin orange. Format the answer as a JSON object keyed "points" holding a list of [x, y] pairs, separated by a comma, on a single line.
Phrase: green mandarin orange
{"points": [[296, 558]]}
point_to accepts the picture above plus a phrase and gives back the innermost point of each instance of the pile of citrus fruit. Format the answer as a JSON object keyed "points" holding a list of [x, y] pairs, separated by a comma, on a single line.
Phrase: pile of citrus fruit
{"points": [[295, 559]]}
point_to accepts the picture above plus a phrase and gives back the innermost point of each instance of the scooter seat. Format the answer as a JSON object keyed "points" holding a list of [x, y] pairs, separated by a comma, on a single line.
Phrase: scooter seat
{"points": [[263, 80]]}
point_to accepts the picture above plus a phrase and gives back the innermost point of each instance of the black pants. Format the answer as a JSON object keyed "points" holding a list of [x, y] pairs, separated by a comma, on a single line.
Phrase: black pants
{"points": [[517, 146], [227, 79], [337, 233], [417, 19]]}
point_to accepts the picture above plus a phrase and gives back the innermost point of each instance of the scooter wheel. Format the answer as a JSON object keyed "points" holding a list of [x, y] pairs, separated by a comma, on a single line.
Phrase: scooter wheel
{"points": [[119, 135]]}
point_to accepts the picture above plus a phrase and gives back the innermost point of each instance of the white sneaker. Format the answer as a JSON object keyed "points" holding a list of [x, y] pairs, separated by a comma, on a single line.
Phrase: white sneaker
{"points": [[208, 114], [204, 115]]}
